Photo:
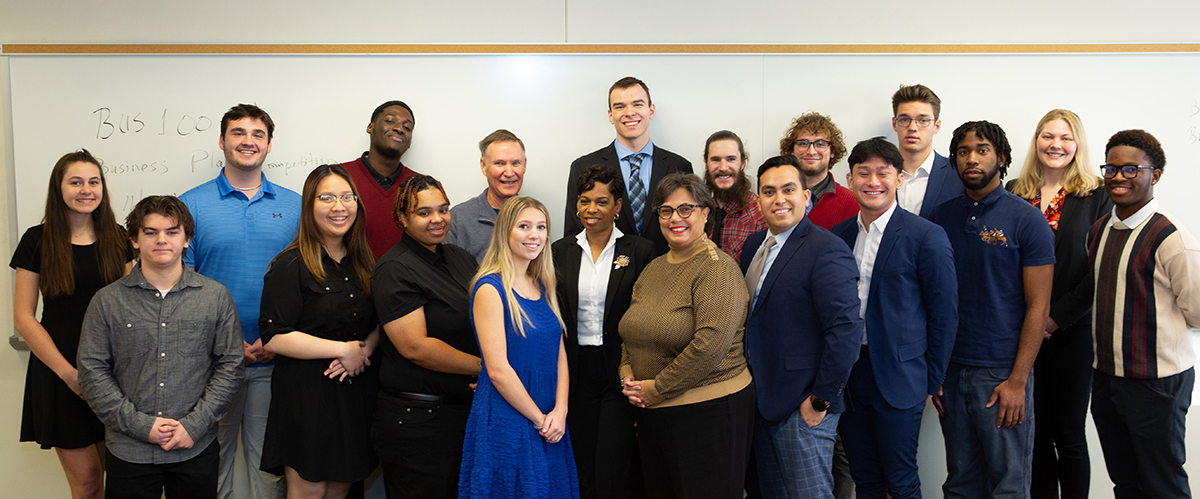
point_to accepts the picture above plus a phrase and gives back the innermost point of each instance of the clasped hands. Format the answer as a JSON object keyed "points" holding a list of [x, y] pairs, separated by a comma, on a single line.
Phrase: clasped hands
{"points": [[553, 426], [169, 434], [255, 353], [635, 392], [353, 361]]}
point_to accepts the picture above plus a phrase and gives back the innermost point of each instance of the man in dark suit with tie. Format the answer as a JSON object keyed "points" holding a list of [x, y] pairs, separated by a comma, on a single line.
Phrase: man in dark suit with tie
{"points": [[929, 180], [641, 164], [909, 293], [803, 335]]}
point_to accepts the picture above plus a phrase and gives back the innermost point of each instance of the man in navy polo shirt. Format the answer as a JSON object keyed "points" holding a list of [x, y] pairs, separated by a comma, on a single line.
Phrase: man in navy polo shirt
{"points": [[242, 222], [1004, 257]]}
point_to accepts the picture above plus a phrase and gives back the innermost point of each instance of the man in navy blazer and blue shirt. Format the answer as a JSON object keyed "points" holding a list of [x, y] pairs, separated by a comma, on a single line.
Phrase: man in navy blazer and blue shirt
{"points": [[909, 294], [1004, 256], [803, 334], [630, 111], [929, 180]]}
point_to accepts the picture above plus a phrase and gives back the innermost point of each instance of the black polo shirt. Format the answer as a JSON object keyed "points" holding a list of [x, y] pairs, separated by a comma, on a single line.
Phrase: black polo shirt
{"points": [[407, 278]]}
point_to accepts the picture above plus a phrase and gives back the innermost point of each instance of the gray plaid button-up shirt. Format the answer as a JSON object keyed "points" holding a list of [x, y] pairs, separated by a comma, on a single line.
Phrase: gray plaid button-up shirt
{"points": [[142, 356]]}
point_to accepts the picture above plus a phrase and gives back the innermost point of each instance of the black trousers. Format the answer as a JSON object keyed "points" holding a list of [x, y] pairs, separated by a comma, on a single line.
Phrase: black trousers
{"points": [[419, 446], [1061, 391], [195, 478], [697, 450], [1141, 423], [600, 419]]}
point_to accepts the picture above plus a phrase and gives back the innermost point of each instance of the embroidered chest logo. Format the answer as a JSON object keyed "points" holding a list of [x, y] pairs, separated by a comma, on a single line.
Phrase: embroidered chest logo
{"points": [[277, 215], [993, 236]]}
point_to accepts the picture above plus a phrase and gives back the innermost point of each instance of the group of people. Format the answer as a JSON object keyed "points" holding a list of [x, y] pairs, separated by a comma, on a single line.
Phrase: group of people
{"points": [[688, 336]]}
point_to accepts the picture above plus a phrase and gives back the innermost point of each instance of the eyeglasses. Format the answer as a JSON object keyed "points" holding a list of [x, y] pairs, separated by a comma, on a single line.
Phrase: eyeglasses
{"points": [[921, 122], [1127, 171], [804, 144], [330, 198], [685, 210]]}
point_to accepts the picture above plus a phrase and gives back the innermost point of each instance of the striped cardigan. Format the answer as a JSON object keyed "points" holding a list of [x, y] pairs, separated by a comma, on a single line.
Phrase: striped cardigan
{"points": [[1147, 295]]}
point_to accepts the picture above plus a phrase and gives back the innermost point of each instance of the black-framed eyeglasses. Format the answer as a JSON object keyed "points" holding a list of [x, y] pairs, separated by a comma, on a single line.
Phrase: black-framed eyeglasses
{"points": [[805, 143], [685, 210], [1127, 171], [921, 122], [330, 198]]}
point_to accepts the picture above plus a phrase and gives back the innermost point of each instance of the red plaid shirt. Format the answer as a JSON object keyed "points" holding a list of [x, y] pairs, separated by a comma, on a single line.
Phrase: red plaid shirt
{"points": [[738, 226]]}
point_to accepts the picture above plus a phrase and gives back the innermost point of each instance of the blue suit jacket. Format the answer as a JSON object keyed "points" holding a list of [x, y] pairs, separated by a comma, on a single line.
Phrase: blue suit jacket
{"points": [[804, 333], [912, 307], [944, 185]]}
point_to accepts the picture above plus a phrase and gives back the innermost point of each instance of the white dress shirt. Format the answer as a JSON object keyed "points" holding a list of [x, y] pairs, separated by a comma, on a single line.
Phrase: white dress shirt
{"points": [[866, 247], [911, 194], [1135, 219], [593, 288]]}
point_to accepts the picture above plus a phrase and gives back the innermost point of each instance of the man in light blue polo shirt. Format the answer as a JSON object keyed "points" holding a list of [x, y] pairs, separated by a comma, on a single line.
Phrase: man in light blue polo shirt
{"points": [[242, 222], [1004, 258]]}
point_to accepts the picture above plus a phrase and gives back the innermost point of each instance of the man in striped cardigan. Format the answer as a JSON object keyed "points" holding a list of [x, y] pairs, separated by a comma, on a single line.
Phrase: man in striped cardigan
{"points": [[1147, 299]]}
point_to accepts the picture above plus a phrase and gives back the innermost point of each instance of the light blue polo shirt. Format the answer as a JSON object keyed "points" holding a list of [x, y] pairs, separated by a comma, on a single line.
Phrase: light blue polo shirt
{"points": [[236, 238]]}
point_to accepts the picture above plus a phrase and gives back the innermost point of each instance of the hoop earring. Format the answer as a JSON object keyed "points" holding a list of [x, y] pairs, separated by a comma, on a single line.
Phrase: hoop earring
{"points": [[617, 217]]}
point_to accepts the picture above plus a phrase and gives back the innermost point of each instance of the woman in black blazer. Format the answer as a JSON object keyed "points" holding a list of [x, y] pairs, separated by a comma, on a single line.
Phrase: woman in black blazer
{"points": [[596, 270], [1057, 179]]}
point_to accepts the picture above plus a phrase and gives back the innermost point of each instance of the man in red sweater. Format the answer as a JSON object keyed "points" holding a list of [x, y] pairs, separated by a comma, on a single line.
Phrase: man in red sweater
{"points": [[379, 172], [818, 144]]}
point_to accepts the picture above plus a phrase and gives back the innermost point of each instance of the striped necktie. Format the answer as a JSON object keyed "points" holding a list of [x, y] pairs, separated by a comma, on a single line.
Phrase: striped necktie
{"points": [[637, 190]]}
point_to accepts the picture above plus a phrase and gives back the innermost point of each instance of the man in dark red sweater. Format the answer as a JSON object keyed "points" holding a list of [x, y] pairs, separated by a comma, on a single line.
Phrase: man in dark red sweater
{"points": [[379, 172], [818, 144]]}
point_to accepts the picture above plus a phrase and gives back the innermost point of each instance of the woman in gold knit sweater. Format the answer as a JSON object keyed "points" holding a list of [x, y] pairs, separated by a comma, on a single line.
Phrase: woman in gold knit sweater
{"points": [[682, 362]]}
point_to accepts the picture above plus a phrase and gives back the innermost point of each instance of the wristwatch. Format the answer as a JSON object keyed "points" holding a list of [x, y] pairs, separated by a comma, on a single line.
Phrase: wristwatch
{"points": [[819, 405]]}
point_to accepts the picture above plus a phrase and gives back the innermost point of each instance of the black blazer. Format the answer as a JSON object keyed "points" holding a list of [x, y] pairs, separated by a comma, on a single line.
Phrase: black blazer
{"points": [[1071, 297], [664, 162], [567, 255]]}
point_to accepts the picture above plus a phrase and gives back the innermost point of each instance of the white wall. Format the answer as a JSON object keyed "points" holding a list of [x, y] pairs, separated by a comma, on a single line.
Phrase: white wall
{"points": [[27, 471], [594, 21]]}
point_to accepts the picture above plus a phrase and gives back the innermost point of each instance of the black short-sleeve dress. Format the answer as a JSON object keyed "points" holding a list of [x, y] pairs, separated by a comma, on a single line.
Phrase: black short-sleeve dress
{"points": [[53, 415], [318, 426]]}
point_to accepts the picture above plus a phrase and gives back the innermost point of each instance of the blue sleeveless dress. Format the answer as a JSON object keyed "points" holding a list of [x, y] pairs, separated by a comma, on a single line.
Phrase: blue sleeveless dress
{"points": [[503, 455]]}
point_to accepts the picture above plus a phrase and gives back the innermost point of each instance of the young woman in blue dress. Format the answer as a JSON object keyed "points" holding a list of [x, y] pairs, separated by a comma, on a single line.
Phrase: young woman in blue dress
{"points": [[516, 443]]}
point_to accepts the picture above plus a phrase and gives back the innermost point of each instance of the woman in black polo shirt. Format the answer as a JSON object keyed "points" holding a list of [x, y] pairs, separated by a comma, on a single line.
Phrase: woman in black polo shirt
{"points": [[430, 361]]}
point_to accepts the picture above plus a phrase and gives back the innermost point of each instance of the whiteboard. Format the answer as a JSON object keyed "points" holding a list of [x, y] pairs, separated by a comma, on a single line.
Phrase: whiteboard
{"points": [[154, 119]]}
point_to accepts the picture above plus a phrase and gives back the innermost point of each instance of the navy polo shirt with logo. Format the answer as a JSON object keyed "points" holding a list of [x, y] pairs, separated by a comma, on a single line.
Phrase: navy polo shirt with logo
{"points": [[993, 240]]}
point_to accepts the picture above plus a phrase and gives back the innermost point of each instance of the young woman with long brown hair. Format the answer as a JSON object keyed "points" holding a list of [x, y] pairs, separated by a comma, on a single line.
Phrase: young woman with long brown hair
{"points": [[318, 317], [78, 249]]}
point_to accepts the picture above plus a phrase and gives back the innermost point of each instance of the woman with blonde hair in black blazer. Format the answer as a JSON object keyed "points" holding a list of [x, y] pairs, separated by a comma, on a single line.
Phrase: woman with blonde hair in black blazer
{"points": [[1057, 179]]}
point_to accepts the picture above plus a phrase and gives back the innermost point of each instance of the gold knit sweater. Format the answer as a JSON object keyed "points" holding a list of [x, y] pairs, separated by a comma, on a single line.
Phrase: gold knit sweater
{"points": [[682, 335]]}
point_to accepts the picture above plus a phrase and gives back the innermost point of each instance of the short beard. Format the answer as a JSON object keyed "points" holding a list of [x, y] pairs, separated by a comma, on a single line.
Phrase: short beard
{"points": [[980, 184]]}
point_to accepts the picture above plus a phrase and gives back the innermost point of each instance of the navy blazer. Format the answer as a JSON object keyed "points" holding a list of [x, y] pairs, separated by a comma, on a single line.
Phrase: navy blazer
{"points": [[944, 185], [804, 334], [912, 307], [664, 162], [567, 255]]}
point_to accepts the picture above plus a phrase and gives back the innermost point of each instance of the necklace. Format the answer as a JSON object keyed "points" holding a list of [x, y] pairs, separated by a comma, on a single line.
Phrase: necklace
{"points": [[244, 189]]}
